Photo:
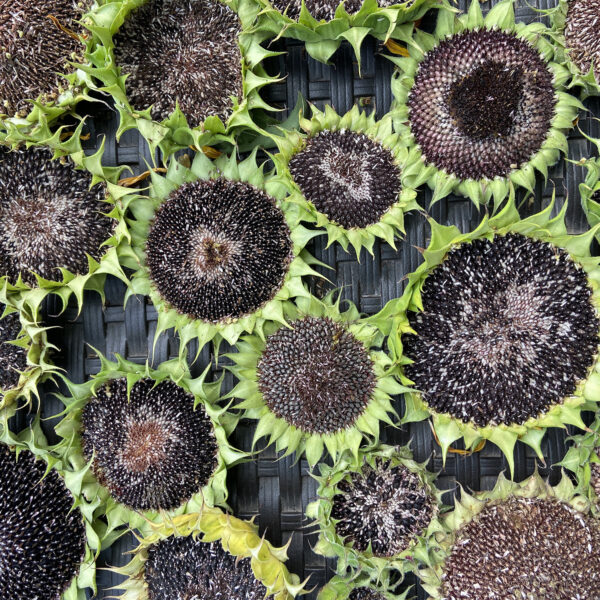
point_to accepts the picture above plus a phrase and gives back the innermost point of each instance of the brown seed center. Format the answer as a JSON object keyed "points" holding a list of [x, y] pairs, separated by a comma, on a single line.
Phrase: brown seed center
{"points": [[145, 446]]}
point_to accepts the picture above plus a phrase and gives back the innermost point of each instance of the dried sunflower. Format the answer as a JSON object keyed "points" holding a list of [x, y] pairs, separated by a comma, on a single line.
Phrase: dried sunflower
{"points": [[498, 330], [146, 443], [49, 539], [360, 587], [59, 225], [37, 87], [575, 32], [324, 25], [583, 459], [376, 511], [518, 541], [481, 104], [24, 361], [345, 175], [316, 383], [204, 555], [213, 251], [182, 72]]}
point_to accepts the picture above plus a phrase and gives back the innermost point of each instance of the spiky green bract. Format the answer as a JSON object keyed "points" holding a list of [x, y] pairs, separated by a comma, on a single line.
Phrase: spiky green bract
{"points": [[331, 544], [70, 153], [132, 254], [417, 170], [238, 538], [589, 191], [34, 440], [341, 588], [34, 341], [289, 437], [583, 459], [391, 224], [73, 461], [469, 506], [174, 133], [394, 320], [586, 82], [323, 37]]}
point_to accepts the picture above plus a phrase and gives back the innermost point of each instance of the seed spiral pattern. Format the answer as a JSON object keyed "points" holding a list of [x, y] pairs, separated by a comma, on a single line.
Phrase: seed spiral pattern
{"points": [[507, 330], [481, 104], [48, 217], [188, 569], [33, 50], [325, 10], [350, 178], [181, 51], [42, 538], [365, 593], [384, 506], [525, 548], [582, 34], [218, 250], [152, 450], [316, 375], [12, 358]]}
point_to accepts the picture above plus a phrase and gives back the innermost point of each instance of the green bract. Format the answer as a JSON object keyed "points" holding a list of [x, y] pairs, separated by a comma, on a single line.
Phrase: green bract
{"points": [[583, 459], [34, 440], [56, 43], [143, 211], [324, 36], [571, 57], [238, 538], [588, 191], [455, 132], [394, 320], [65, 146], [325, 416], [174, 132], [340, 588], [388, 225], [469, 507], [33, 342], [338, 481], [91, 491]]}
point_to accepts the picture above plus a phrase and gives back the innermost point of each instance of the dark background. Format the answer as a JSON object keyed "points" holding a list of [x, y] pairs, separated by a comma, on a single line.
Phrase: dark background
{"points": [[277, 490]]}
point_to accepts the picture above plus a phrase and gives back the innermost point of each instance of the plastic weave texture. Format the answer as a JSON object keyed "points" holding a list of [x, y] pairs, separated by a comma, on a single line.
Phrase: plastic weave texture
{"points": [[276, 490]]}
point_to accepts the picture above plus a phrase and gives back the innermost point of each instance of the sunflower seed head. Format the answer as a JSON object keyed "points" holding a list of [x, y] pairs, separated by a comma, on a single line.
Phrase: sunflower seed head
{"points": [[508, 330], [385, 506], [316, 375], [33, 50], [189, 569], [182, 51], [365, 593], [581, 34], [42, 537], [525, 548], [152, 451], [218, 250], [350, 178], [325, 9], [481, 104], [12, 358], [48, 217]]}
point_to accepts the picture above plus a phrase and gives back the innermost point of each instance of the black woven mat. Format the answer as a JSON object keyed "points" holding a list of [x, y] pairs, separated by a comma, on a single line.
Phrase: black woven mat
{"points": [[277, 490]]}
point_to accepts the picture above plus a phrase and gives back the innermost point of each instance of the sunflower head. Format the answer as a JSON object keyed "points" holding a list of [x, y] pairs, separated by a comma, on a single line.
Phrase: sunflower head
{"points": [[49, 539], [344, 174], [183, 72], [147, 442], [544, 526], [207, 554], [214, 251], [376, 511], [316, 383], [516, 300], [577, 42], [466, 133]]}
